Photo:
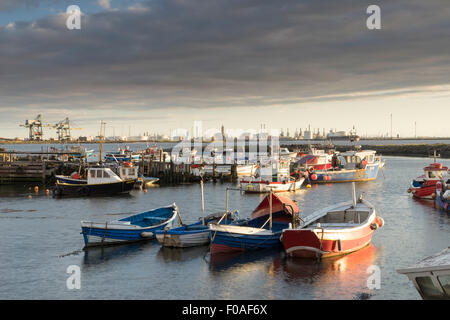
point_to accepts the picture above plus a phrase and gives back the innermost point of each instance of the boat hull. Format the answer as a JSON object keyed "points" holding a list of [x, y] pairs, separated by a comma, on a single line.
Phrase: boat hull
{"points": [[265, 186], [98, 234], [184, 237], [426, 191], [86, 190], [369, 173], [443, 204], [225, 242], [313, 243]]}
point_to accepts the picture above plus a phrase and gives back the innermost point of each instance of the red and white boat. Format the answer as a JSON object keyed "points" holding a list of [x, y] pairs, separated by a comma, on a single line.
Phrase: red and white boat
{"points": [[316, 159], [424, 186], [273, 177], [336, 230]]}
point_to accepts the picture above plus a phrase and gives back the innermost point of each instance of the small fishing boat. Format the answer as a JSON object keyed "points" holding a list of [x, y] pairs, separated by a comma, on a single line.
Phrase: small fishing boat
{"points": [[443, 195], [424, 186], [195, 234], [261, 231], [431, 276], [349, 166], [136, 227], [335, 230], [73, 152], [122, 155], [145, 182], [125, 170], [272, 178], [99, 181]]}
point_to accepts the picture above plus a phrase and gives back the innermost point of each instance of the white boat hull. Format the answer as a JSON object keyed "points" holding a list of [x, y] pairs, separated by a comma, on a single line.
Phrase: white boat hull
{"points": [[261, 186], [184, 240]]}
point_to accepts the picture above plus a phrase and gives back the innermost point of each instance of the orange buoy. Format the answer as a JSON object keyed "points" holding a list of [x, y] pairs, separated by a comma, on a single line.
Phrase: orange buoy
{"points": [[36, 189], [313, 176], [379, 221]]}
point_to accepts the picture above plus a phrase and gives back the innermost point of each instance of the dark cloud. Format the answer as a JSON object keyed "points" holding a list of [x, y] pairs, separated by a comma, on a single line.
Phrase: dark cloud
{"points": [[8, 5], [174, 53]]}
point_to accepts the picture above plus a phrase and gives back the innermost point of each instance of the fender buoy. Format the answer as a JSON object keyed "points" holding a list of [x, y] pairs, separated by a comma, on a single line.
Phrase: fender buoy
{"points": [[314, 177], [379, 221]]}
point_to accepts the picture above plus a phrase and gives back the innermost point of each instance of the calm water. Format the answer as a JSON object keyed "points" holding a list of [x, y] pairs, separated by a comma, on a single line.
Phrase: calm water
{"points": [[40, 237]]}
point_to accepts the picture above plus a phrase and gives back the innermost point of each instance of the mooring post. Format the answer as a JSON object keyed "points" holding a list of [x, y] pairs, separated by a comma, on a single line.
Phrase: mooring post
{"points": [[214, 170], [43, 172]]}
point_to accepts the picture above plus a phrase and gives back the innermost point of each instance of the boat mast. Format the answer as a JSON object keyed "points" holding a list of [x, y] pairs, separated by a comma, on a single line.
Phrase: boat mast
{"points": [[101, 141], [203, 202], [270, 208]]}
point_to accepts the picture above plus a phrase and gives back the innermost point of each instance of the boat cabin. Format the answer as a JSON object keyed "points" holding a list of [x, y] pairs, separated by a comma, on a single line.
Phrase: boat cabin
{"points": [[431, 276], [274, 171], [356, 159], [435, 171], [101, 175], [127, 171]]}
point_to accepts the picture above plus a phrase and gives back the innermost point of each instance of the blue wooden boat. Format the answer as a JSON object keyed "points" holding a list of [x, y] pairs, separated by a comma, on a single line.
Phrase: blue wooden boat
{"points": [[261, 231], [350, 166], [136, 227]]}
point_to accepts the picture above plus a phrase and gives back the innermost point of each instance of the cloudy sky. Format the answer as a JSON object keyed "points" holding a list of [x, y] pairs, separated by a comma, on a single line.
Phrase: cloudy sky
{"points": [[162, 64]]}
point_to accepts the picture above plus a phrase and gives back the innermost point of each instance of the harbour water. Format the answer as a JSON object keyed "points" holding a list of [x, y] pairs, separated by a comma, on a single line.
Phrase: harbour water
{"points": [[40, 237]]}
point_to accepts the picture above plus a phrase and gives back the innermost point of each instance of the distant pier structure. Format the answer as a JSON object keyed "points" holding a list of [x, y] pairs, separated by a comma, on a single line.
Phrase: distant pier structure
{"points": [[23, 166]]}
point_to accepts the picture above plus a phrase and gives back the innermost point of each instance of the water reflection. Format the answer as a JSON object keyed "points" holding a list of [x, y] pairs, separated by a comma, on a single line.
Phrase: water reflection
{"points": [[99, 255], [181, 254], [347, 275], [241, 261], [426, 203]]}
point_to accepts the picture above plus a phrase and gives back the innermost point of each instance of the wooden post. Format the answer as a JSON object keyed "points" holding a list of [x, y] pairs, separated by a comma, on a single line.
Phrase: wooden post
{"points": [[43, 172], [234, 171]]}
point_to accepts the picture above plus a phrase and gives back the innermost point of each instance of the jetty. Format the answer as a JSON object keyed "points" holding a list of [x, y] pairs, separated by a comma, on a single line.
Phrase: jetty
{"points": [[24, 166]]}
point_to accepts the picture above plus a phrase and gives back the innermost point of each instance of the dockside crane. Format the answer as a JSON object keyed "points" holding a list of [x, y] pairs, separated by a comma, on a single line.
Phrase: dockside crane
{"points": [[35, 128], [63, 130]]}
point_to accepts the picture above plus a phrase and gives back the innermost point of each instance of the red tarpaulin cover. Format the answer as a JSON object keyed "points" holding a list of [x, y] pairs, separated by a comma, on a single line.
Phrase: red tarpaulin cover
{"points": [[277, 205]]}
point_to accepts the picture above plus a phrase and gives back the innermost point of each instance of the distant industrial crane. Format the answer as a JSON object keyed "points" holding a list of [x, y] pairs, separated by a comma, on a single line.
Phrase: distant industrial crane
{"points": [[35, 128], [63, 130]]}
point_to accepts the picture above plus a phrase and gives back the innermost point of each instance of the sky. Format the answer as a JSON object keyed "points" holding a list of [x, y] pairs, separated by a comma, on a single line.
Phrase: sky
{"points": [[159, 65]]}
